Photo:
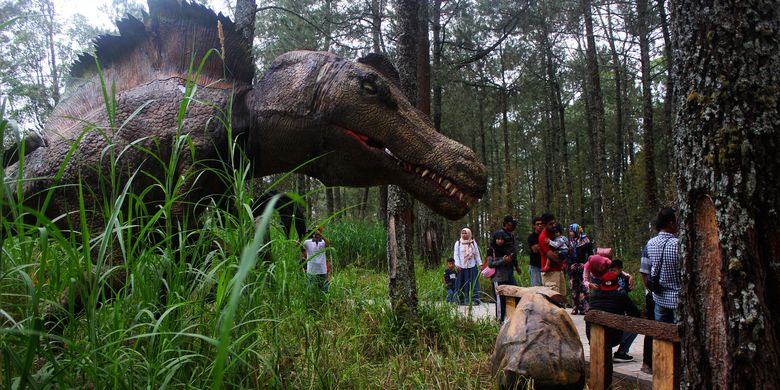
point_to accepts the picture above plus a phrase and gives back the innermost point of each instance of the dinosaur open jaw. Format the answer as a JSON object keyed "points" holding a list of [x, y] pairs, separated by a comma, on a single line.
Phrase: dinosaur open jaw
{"points": [[437, 181]]}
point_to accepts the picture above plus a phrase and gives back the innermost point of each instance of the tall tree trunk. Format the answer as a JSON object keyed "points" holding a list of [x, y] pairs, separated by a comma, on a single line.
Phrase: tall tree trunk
{"points": [[330, 201], [437, 53], [507, 165], [647, 108], [400, 221], [668, 99], [482, 134], [727, 56], [597, 120], [338, 201], [328, 25], [429, 222], [245, 21], [558, 115], [376, 26], [47, 9], [619, 164], [376, 40], [423, 59], [549, 158]]}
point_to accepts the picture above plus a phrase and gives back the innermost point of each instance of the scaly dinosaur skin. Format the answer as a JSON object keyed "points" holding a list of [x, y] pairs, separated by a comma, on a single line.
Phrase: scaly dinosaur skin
{"points": [[350, 117]]}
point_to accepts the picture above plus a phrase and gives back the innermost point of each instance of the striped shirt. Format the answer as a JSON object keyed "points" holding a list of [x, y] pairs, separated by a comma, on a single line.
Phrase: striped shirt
{"points": [[666, 245]]}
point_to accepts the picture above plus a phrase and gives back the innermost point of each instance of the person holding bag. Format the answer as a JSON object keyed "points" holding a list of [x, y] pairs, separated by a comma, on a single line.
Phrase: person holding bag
{"points": [[501, 258], [467, 262]]}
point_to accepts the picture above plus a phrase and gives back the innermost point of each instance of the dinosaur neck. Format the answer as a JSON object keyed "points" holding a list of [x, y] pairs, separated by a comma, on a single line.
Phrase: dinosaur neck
{"points": [[281, 139]]}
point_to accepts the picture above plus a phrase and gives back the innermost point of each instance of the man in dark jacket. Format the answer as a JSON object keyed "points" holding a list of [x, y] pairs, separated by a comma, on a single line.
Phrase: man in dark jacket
{"points": [[608, 299]]}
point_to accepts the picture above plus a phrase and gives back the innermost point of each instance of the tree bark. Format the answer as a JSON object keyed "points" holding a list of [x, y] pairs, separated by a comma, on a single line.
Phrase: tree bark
{"points": [[47, 9], [619, 164], [668, 99], [597, 119], [728, 176], [400, 221], [429, 222], [330, 201], [376, 26], [245, 21], [505, 131], [647, 108], [564, 187], [437, 53]]}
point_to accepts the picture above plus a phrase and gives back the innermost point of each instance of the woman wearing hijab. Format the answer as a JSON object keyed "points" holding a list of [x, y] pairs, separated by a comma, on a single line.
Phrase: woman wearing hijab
{"points": [[580, 250], [467, 262], [500, 256]]}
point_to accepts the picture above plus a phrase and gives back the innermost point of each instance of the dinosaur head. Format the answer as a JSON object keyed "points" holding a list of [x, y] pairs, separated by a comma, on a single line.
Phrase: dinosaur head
{"points": [[348, 123]]}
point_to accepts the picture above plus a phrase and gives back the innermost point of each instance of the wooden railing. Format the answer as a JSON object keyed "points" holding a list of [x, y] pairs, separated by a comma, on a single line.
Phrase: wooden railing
{"points": [[664, 338]]}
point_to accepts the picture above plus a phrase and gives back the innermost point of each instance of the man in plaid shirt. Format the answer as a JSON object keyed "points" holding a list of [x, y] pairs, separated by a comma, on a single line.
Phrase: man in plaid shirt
{"points": [[664, 261]]}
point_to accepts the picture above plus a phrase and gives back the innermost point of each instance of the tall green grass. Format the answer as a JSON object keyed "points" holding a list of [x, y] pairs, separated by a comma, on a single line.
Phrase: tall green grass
{"points": [[225, 319]]}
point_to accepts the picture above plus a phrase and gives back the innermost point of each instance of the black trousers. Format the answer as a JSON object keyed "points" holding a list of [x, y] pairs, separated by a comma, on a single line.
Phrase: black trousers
{"points": [[647, 354]]}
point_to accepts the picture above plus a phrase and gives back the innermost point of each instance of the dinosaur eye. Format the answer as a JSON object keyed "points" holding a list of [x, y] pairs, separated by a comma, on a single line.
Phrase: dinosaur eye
{"points": [[369, 87]]}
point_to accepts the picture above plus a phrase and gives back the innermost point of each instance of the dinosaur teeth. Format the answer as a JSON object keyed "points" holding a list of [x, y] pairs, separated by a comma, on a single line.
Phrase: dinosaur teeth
{"points": [[447, 184], [392, 155], [454, 190], [418, 169], [461, 197], [433, 176], [425, 172]]}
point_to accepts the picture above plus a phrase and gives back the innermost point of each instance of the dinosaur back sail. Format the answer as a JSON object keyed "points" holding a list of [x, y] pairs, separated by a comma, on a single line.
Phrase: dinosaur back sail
{"points": [[170, 42]]}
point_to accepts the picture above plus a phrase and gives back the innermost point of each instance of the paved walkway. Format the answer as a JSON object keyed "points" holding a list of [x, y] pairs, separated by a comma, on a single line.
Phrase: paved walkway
{"points": [[626, 374]]}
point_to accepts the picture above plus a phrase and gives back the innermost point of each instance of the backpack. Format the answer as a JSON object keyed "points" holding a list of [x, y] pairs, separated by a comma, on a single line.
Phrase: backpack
{"points": [[654, 281]]}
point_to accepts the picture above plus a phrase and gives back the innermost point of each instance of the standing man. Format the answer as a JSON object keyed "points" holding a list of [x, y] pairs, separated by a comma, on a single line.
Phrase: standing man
{"points": [[510, 224], [313, 251], [535, 258], [662, 250], [647, 354], [552, 265]]}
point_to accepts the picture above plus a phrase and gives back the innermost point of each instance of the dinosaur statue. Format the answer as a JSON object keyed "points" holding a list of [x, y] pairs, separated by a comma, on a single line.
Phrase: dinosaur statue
{"points": [[344, 122]]}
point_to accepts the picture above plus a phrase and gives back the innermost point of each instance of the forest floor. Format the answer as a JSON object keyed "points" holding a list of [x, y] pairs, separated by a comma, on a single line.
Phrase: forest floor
{"points": [[626, 374]]}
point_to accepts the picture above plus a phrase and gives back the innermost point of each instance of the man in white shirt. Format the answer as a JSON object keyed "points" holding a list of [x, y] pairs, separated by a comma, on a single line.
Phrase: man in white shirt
{"points": [[314, 251]]}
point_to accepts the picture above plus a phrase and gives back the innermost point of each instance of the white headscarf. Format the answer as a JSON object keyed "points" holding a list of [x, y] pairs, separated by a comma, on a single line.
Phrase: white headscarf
{"points": [[468, 244]]}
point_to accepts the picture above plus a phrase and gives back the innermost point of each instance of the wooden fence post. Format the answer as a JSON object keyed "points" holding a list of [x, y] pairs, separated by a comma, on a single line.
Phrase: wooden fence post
{"points": [[600, 359], [663, 365]]}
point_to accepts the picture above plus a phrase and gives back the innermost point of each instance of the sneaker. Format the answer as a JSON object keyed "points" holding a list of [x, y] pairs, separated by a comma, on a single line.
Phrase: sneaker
{"points": [[622, 357]]}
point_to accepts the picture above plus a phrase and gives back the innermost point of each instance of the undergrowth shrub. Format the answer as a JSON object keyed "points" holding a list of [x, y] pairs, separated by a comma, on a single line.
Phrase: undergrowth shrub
{"points": [[359, 243]]}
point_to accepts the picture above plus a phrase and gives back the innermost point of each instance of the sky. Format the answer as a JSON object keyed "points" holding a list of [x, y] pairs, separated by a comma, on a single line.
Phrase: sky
{"points": [[91, 9], [88, 8]]}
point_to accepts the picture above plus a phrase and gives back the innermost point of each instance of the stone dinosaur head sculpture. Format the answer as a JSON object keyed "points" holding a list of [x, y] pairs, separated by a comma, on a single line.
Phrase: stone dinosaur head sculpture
{"points": [[363, 131]]}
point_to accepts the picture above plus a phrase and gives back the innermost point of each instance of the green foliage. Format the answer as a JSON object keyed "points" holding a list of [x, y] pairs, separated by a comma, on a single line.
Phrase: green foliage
{"points": [[33, 52], [358, 243]]}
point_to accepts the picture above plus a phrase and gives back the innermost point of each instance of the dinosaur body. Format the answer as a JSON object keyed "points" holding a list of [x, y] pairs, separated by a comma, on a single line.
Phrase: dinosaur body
{"points": [[350, 117]]}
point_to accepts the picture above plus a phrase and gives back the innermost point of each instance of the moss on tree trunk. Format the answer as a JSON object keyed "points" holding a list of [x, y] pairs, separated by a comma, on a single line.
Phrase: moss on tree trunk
{"points": [[727, 138]]}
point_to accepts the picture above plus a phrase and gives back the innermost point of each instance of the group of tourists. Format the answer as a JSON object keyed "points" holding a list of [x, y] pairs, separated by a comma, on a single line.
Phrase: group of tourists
{"points": [[462, 274], [596, 279]]}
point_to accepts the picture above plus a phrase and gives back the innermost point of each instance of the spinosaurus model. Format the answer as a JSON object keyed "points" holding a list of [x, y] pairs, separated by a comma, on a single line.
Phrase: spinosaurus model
{"points": [[344, 122], [351, 116]]}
